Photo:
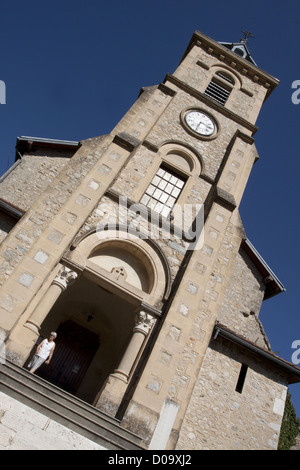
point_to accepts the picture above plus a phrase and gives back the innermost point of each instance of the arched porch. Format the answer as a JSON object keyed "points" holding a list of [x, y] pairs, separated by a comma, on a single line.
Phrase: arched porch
{"points": [[94, 327], [103, 303]]}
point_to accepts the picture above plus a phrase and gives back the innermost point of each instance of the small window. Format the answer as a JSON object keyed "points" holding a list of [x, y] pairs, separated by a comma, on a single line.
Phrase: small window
{"points": [[218, 92], [241, 380], [239, 52], [220, 87], [163, 191]]}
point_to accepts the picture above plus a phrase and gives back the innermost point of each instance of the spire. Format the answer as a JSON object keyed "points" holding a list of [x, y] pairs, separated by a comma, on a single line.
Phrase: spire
{"points": [[240, 48]]}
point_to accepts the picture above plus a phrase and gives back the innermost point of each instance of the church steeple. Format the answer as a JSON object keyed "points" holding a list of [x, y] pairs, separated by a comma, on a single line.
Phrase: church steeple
{"points": [[240, 48]]}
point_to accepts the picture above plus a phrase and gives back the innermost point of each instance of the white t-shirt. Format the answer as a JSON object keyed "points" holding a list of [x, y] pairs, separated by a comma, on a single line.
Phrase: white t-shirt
{"points": [[45, 349]]}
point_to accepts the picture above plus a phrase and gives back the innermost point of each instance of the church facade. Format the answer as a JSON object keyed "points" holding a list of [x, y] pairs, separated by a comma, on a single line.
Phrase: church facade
{"points": [[131, 247]]}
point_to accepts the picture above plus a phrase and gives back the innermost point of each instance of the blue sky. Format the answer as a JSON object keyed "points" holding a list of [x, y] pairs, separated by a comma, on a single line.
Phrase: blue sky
{"points": [[73, 68]]}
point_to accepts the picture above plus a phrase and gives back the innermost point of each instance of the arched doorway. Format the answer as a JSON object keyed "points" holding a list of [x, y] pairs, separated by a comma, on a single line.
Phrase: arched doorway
{"points": [[93, 329], [75, 348]]}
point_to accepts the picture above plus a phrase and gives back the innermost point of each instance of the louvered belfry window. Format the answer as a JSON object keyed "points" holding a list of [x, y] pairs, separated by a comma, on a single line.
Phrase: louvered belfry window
{"points": [[219, 91]]}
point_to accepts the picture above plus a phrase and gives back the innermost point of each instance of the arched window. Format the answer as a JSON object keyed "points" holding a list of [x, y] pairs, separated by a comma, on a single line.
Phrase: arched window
{"points": [[220, 87], [163, 191], [177, 165]]}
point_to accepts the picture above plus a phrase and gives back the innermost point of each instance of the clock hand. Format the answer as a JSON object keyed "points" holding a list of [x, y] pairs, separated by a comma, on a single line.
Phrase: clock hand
{"points": [[199, 125]]}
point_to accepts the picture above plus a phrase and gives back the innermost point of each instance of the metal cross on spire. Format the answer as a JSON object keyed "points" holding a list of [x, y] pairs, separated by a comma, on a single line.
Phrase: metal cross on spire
{"points": [[247, 34]]}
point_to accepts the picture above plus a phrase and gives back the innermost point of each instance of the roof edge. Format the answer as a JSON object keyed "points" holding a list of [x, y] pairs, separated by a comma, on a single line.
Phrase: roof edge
{"points": [[48, 141], [25, 143], [274, 285], [290, 370]]}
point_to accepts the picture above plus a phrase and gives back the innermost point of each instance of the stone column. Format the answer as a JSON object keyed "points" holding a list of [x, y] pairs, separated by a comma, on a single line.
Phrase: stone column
{"points": [[143, 324], [64, 278], [20, 341], [116, 384]]}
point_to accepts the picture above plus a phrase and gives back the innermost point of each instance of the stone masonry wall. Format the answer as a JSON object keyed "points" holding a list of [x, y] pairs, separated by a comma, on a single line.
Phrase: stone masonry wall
{"points": [[198, 68], [220, 418], [32, 176], [23, 428], [178, 352], [242, 301], [22, 247], [170, 128]]}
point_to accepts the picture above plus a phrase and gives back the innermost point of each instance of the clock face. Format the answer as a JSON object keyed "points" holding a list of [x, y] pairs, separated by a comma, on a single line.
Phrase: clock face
{"points": [[200, 123]]}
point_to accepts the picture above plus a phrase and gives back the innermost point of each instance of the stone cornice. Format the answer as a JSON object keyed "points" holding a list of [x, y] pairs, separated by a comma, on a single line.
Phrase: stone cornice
{"points": [[126, 141], [241, 65]]}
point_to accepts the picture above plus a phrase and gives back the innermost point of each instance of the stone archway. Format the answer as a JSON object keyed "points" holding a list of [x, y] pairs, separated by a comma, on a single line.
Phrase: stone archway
{"points": [[134, 269], [145, 271], [119, 282]]}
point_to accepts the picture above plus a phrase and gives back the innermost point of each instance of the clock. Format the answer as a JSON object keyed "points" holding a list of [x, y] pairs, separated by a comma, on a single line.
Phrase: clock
{"points": [[200, 123]]}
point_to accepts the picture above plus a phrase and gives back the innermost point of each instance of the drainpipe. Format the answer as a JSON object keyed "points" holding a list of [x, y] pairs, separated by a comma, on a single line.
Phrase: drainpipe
{"points": [[216, 333], [17, 163]]}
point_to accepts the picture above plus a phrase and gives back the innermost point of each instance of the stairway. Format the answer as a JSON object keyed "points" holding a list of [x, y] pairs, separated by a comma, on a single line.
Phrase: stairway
{"points": [[66, 409]]}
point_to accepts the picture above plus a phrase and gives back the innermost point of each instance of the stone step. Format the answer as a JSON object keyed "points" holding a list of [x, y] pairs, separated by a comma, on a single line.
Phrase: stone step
{"points": [[54, 391], [66, 409]]}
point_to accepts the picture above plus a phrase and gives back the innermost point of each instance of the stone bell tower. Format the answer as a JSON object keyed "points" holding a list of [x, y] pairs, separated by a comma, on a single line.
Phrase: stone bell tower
{"points": [[136, 244]]}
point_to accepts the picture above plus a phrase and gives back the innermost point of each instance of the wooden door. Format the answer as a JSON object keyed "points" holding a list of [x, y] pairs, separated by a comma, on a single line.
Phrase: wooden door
{"points": [[74, 351]]}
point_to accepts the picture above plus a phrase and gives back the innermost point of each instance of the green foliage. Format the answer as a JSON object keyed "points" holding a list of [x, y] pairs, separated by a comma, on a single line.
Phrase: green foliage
{"points": [[290, 426]]}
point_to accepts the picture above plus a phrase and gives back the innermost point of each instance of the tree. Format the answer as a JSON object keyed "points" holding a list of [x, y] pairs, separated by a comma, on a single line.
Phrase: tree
{"points": [[290, 426]]}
